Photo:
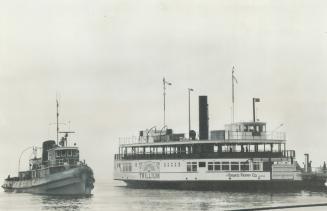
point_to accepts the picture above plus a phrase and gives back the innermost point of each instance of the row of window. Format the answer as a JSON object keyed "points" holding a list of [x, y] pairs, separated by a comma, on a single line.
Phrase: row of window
{"points": [[127, 167], [189, 149], [212, 166], [124, 167], [66, 153], [172, 164], [223, 166]]}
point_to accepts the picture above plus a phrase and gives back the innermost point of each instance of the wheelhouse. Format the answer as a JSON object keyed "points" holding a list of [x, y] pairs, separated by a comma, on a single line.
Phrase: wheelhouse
{"points": [[63, 155]]}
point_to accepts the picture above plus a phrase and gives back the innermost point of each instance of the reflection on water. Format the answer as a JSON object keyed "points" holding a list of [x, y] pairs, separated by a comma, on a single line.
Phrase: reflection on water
{"points": [[117, 197], [65, 202]]}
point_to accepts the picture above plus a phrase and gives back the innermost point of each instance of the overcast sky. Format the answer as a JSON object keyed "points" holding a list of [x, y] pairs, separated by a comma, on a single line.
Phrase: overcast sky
{"points": [[106, 60]]}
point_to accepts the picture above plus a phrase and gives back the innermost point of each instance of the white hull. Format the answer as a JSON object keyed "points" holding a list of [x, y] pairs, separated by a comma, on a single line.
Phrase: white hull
{"points": [[158, 170]]}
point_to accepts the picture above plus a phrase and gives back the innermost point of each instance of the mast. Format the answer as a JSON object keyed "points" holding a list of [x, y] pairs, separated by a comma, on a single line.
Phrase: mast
{"points": [[57, 120], [164, 95], [254, 100], [189, 110], [233, 95], [233, 79]]}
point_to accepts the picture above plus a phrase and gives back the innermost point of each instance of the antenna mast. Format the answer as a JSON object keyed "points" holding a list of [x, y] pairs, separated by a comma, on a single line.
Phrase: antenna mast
{"points": [[57, 120], [233, 79], [164, 96]]}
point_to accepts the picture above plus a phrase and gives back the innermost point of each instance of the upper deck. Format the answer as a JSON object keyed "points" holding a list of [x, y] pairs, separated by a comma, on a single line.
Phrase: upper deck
{"points": [[243, 139], [236, 133]]}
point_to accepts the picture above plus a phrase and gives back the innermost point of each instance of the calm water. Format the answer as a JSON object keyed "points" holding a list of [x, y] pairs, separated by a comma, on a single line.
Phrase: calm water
{"points": [[115, 196]]}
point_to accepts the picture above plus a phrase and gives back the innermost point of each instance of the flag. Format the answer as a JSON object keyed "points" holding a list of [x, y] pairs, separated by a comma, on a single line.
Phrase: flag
{"points": [[57, 107], [233, 79], [233, 76], [165, 82]]}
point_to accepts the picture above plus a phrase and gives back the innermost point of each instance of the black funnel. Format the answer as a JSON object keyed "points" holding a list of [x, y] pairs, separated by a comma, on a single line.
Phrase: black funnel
{"points": [[203, 118], [46, 146]]}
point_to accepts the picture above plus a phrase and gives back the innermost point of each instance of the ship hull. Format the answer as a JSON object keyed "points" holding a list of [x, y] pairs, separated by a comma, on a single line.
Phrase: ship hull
{"points": [[75, 181], [228, 185]]}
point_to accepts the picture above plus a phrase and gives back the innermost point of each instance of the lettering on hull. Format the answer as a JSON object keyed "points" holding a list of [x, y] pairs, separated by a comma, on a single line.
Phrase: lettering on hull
{"points": [[149, 170], [149, 175], [250, 175]]}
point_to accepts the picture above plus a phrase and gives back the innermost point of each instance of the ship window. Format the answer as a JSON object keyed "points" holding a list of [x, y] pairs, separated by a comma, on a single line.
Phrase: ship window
{"points": [[57, 154], [194, 166], [245, 166], [256, 166], [225, 166], [69, 153], [217, 166], [127, 167], [210, 166], [191, 166], [215, 148], [261, 148], [235, 166], [179, 164], [202, 164], [224, 148]]}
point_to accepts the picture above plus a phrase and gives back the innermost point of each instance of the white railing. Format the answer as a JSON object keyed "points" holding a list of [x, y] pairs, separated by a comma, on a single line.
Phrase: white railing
{"points": [[236, 135], [229, 135], [129, 140]]}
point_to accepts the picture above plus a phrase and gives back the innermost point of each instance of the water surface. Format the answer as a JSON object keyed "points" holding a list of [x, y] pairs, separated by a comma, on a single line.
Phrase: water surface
{"points": [[114, 196]]}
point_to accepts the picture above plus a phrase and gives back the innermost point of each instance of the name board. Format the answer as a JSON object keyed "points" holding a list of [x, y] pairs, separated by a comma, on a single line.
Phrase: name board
{"points": [[247, 175], [149, 170]]}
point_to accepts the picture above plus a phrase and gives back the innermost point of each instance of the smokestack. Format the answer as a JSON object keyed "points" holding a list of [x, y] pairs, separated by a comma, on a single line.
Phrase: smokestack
{"points": [[203, 118]]}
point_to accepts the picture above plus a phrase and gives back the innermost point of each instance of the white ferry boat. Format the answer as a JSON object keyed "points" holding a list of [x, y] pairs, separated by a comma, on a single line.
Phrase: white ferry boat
{"points": [[243, 155]]}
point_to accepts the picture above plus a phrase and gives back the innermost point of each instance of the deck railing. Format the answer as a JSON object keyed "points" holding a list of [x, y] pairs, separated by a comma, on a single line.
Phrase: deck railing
{"points": [[253, 135], [281, 154], [229, 135]]}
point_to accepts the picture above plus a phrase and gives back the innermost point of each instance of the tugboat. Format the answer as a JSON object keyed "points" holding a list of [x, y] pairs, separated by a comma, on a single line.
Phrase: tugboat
{"points": [[244, 155], [59, 171]]}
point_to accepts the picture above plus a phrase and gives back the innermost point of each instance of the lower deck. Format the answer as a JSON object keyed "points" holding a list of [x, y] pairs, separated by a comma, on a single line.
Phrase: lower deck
{"points": [[207, 170]]}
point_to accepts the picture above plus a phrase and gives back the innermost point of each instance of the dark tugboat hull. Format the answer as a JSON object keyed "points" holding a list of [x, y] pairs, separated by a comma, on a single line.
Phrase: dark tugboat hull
{"points": [[75, 181]]}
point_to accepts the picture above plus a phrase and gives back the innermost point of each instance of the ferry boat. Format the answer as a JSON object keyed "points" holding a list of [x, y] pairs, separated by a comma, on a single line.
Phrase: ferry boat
{"points": [[242, 155], [58, 171]]}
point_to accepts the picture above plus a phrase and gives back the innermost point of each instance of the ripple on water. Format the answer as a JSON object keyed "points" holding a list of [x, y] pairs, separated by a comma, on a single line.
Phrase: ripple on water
{"points": [[115, 196]]}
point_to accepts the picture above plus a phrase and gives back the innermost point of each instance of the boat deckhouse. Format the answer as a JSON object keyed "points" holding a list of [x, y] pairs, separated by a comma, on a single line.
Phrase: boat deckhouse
{"points": [[238, 140]]}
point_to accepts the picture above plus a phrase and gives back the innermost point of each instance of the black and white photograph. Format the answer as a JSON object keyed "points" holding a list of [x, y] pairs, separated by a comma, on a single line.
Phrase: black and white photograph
{"points": [[157, 105]]}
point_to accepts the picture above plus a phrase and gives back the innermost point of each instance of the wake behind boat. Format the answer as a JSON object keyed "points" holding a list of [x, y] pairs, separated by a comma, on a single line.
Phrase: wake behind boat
{"points": [[58, 171]]}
